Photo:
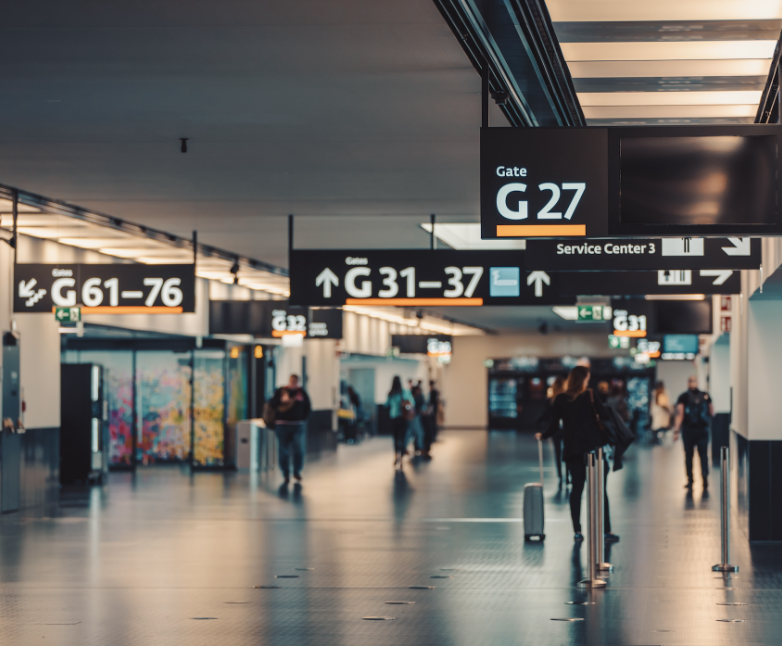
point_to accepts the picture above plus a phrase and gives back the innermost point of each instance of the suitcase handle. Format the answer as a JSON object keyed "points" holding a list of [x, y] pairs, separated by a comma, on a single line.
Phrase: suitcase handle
{"points": [[540, 460]]}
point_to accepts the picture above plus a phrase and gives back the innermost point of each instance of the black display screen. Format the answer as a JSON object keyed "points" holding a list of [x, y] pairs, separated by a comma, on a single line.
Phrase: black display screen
{"points": [[701, 180], [684, 317]]}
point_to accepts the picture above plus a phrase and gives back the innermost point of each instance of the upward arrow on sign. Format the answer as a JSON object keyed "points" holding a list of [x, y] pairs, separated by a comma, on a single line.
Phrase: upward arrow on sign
{"points": [[327, 278], [538, 277]]}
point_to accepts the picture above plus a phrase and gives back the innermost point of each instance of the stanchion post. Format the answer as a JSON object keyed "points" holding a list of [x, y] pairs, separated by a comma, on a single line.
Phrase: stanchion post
{"points": [[600, 524], [725, 565], [592, 581]]}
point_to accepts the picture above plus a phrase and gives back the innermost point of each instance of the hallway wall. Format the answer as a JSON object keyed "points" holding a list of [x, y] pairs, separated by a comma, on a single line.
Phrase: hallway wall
{"points": [[465, 380]]}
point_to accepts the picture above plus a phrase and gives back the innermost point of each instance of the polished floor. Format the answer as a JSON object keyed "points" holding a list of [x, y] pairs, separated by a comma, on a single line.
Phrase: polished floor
{"points": [[163, 558]]}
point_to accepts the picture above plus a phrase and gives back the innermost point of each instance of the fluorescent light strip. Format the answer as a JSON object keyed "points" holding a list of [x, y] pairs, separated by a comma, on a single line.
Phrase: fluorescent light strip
{"points": [[590, 99], [662, 10], [668, 69], [669, 111], [468, 236], [675, 297], [400, 320], [660, 51]]}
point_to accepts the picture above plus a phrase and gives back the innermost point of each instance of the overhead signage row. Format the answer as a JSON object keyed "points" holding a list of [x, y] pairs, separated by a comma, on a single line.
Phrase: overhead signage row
{"points": [[105, 289], [630, 182]]}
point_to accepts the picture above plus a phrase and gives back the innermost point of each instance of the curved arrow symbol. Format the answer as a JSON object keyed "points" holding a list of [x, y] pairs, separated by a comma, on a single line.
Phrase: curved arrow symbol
{"points": [[327, 278], [538, 277]]}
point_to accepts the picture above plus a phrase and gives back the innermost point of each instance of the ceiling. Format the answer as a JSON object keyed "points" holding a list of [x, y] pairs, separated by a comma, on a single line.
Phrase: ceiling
{"points": [[366, 112], [668, 61]]}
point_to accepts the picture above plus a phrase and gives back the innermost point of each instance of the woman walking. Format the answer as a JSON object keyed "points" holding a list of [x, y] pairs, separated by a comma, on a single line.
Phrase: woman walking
{"points": [[578, 410], [400, 411]]}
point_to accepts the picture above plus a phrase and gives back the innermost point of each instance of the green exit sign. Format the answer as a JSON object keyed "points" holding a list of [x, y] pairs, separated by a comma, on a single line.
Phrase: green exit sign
{"points": [[589, 313], [67, 314]]}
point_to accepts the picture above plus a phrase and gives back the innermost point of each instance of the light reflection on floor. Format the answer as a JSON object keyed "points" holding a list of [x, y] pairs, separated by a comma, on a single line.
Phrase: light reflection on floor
{"points": [[148, 558]]}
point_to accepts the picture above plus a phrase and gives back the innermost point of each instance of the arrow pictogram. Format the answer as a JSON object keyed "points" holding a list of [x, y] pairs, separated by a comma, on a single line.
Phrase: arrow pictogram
{"points": [[538, 277], [327, 278], [720, 275], [741, 247]]}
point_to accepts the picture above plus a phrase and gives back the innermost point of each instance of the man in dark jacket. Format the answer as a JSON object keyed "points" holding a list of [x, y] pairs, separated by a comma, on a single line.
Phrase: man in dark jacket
{"points": [[694, 410], [292, 407]]}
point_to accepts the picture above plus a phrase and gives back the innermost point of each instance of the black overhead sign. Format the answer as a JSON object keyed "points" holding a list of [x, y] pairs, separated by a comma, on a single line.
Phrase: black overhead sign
{"points": [[629, 181], [105, 289], [621, 254], [417, 278], [640, 283], [273, 319]]}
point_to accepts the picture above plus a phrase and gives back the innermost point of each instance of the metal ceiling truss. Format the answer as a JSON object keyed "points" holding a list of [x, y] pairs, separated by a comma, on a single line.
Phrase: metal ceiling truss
{"points": [[770, 108], [70, 210], [515, 40]]}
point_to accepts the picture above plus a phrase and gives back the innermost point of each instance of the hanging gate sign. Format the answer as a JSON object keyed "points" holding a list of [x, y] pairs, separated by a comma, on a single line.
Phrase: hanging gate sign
{"points": [[105, 289]]}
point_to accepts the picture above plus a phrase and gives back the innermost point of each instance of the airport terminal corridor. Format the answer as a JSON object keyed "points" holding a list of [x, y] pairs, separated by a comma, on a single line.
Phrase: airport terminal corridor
{"points": [[164, 557]]}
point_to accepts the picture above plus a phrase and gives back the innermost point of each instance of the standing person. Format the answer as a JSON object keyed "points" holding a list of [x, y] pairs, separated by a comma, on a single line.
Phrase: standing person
{"points": [[292, 408], [694, 410], [660, 412], [417, 425], [400, 411], [435, 411], [355, 402], [577, 409], [556, 389]]}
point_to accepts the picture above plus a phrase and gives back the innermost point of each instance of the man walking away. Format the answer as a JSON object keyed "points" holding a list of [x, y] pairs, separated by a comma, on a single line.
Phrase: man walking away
{"points": [[292, 406], [694, 410]]}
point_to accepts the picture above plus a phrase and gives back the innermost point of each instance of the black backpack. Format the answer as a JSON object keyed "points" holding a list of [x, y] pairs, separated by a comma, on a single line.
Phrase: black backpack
{"points": [[696, 410]]}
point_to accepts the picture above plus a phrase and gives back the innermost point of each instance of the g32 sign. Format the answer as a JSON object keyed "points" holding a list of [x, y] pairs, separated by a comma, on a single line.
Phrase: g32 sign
{"points": [[539, 182], [105, 289]]}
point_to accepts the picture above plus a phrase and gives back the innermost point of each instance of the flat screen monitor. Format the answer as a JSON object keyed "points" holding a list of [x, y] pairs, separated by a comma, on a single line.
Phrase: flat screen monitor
{"points": [[681, 343], [684, 317], [670, 181]]}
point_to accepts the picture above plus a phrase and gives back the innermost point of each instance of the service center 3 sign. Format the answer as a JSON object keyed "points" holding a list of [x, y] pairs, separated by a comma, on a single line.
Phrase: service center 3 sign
{"points": [[105, 289]]}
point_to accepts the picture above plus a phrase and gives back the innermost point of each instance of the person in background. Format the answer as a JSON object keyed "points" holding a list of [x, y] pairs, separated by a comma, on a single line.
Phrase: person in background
{"points": [[435, 411], [603, 390], [618, 401], [660, 412], [556, 389], [292, 407], [417, 424], [576, 410], [400, 412], [694, 410]]}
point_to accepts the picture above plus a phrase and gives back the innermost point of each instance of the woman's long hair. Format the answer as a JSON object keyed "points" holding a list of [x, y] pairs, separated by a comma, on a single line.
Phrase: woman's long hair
{"points": [[557, 388], [577, 382], [396, 386]]}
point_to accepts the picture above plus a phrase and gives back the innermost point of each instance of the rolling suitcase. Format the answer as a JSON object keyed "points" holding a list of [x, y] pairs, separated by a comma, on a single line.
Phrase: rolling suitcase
{"points": [[533, 504]]}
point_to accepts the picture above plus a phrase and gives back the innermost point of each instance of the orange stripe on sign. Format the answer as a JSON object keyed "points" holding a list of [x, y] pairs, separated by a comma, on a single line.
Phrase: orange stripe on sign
{"points": [[131, 309], [540, 230], [279, 333], [634, 333], [415, 301]]}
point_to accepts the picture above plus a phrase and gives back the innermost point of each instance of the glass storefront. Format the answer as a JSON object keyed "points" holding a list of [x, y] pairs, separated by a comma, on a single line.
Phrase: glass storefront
{"points": [[168, 405]]}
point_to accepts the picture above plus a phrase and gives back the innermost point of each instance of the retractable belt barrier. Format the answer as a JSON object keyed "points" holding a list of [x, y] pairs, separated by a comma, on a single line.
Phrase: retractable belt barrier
{"points": [[600, 564], [725, 565], [592, 581]]}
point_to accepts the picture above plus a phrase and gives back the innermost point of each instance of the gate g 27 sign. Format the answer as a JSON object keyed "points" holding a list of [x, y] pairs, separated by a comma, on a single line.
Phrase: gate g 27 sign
{"points": [[105, 289], [630, 181]]}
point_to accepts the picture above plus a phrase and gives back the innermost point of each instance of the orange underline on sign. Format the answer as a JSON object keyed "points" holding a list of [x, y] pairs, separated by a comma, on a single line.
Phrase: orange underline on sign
{"points": [[279, 333], [635, 333], [432, 302], [130, 309], [540, 230]]}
